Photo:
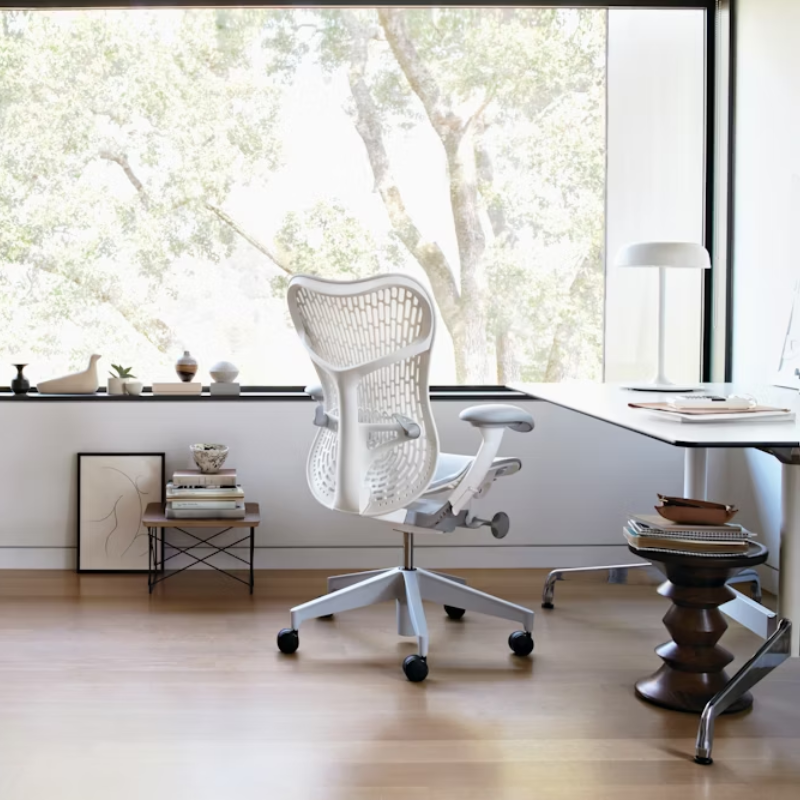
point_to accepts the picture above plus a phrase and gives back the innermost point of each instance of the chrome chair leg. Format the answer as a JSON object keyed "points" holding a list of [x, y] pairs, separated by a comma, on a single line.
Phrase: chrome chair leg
{"points": [[770, 655], [557, 574], [752, 577]]}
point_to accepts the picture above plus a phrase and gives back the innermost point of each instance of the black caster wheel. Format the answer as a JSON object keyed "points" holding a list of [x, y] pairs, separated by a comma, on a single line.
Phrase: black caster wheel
{"points": [[454, 613], [548, 605], [706, 762], [415, 668], [521, 642], [288, 641]]}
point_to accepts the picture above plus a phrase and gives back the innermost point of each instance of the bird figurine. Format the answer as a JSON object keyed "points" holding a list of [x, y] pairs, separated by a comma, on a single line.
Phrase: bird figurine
{"points": [[85, 382]]}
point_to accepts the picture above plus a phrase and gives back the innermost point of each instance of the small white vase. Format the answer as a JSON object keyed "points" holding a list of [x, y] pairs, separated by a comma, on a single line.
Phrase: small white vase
{"points": [[116, 386], [133, 387]]}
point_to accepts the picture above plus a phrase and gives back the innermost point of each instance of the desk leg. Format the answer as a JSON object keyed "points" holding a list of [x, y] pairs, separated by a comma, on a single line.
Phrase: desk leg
{"points": [[252, 551], [695, 472], [789, 578]]}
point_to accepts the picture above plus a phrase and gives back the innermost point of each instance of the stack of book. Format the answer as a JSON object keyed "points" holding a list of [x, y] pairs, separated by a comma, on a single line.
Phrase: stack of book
{"points": [[177, 387], [649, 533], [192, 494]]}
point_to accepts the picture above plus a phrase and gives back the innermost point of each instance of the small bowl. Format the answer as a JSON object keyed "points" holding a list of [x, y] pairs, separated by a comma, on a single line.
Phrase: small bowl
{"points": [[684, 515], [209, 457]]}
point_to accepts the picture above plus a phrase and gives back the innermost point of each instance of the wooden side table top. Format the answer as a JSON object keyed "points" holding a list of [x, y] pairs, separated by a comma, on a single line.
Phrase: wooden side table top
{"points": [[754, 555], [155, 517]]}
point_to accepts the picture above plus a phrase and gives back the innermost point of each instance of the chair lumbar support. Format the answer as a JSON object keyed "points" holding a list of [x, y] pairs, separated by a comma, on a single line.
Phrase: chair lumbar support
{"points": [[376, 452]]}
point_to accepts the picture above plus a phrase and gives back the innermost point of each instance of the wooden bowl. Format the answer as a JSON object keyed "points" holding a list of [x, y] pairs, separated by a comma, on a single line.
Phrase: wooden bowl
{"points": [[686, 515]]}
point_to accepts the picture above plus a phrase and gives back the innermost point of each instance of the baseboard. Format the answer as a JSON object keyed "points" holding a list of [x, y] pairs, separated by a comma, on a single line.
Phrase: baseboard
{"points": [[37, 558], [437, 557]]}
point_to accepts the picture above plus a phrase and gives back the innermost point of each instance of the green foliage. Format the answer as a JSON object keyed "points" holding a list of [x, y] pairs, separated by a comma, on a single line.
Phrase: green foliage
{"points": [[121, 372], [125, 136]]}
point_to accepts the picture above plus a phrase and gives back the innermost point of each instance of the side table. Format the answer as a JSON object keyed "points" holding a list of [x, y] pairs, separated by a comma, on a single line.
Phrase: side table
{"points": [[693, 671], [157, 524]]}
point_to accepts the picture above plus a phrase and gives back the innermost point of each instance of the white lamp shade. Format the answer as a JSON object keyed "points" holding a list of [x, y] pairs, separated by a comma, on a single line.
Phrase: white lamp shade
{"points": [[663, 254]]}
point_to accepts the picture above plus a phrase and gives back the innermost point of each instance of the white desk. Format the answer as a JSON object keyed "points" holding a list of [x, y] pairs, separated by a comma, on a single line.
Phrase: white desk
{"points": [[610, 403]]}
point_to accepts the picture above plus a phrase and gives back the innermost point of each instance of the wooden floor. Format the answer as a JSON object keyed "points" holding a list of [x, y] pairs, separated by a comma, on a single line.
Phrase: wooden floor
{"points": [[109, 694]]}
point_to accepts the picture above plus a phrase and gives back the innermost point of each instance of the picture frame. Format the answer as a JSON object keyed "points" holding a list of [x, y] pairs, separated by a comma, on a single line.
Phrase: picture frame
{"points": [[113, 492], [788, 372]]}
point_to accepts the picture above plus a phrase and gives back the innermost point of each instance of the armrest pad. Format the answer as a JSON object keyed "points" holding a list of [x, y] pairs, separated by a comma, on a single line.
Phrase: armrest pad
{"points": [[315, 390], [498, 415]]}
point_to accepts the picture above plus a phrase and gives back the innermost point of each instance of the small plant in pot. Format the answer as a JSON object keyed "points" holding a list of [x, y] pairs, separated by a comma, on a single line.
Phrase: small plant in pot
{"points": [[119, 376]]}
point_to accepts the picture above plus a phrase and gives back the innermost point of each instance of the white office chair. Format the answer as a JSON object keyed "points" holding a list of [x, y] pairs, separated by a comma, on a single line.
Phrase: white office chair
{"points": [[377, 452]]}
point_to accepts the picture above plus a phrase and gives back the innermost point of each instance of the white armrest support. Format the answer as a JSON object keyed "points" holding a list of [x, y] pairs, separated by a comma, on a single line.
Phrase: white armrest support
{"points": [[472, 482], [491, 419], [498, 415]]}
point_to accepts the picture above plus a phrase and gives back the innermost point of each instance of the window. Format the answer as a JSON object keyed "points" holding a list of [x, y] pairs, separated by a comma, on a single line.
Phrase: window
{"points": [[164, 171]]}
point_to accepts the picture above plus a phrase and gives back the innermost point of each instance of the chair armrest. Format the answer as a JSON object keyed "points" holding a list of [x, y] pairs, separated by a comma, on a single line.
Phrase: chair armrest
{"points": [[498, 415], [315, 390]]}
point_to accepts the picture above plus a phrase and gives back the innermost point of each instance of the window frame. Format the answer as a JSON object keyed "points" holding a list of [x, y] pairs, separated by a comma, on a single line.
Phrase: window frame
{"points": [[716, 201]]}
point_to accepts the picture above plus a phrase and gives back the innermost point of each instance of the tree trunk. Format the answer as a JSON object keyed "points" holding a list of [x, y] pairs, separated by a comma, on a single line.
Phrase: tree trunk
{"points": [[556, 361], [508, 366], [471, 248], [469, 348]]}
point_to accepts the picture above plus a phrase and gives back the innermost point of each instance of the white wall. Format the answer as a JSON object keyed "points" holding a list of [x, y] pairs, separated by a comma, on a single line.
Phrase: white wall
{"points": [[567, 506], [654, 185], [766, 228]]}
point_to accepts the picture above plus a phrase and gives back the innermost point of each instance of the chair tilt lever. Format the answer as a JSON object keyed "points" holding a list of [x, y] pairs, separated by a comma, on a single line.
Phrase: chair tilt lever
{"points": [[499, 524]]}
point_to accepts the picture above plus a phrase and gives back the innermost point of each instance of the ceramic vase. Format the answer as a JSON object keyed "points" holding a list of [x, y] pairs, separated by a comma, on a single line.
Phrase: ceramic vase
{"points": [[186, 367], [116, 386], [224, 372], [20, 384]]}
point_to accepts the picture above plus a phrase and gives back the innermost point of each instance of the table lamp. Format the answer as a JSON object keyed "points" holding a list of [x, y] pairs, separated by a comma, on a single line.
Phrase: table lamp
{"points": [[664, 255]]}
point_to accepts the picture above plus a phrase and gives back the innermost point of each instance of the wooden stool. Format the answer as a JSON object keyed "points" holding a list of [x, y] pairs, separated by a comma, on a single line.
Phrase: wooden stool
{"points": [[694, 664]]}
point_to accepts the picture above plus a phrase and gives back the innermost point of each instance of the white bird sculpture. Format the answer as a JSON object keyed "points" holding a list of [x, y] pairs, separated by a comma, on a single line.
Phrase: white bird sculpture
{"points": [[85, 382]]}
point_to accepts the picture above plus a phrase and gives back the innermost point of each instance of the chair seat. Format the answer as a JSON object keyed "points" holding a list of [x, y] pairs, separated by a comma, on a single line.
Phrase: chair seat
{"points": [[451, 467]]}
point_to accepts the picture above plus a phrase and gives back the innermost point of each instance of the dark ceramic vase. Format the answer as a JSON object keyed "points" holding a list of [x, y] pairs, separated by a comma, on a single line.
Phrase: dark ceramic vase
{"points": [[20, 384], [186, 367]]}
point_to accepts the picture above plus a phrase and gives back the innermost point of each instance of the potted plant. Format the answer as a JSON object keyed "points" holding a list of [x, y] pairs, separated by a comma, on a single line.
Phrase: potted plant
{"points": [[116, 383]]}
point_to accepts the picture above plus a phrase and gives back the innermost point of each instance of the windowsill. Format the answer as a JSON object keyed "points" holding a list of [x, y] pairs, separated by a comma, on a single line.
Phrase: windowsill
{"points": [[263, 395]]}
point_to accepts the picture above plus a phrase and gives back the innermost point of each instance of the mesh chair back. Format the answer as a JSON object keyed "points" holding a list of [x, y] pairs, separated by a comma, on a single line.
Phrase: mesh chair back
{"points": [[370, 341]]}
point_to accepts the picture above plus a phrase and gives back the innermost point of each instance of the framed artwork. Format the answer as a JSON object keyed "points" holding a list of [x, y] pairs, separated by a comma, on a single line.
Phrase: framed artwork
{"points": [[113, 492], [789, 366]]}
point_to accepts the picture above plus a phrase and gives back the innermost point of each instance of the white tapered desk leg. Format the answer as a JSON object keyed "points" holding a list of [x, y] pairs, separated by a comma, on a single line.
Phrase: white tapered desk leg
{"points": [[789, 577], [695, 472]]}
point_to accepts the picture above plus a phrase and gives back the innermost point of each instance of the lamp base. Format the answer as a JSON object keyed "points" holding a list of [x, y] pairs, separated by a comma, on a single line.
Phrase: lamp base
{"points": [[659, 387]]}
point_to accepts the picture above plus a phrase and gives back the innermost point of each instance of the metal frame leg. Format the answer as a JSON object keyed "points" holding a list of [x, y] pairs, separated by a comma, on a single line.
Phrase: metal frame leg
{"points": [[252, 551], [752, 577], [453, 578], [336, 582], [376, 589], [769, 656], [442, 590], [550, 582], [413, 608], [150, 560]]}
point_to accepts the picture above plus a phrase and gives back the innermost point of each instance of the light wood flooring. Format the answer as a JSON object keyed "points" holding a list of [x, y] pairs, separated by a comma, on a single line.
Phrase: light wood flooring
{"points": [[107, 693]]}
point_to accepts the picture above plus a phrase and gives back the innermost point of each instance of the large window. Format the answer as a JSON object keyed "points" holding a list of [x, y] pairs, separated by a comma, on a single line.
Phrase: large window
{"points": [[163, 172]]}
